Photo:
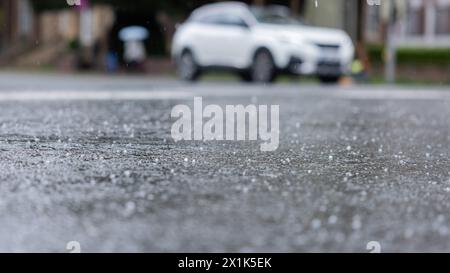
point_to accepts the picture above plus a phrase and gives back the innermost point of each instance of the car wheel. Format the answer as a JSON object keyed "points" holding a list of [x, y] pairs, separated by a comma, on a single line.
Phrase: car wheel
{"points": [[329, 79], [263, 69], [188, 69]]}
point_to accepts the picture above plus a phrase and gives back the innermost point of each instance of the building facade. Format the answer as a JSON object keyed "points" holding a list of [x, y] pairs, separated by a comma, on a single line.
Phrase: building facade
{"points": [[421, 23], [16, 23], [342, 14]]}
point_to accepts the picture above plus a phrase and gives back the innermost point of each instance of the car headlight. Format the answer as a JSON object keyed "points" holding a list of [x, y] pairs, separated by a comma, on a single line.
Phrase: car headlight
{"points": [[291, 41], [348, 42], [287, 40]]}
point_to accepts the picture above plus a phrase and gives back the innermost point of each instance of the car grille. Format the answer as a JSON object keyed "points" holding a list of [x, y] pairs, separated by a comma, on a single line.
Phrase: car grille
{"points": [[329, 68], [329, 46]]}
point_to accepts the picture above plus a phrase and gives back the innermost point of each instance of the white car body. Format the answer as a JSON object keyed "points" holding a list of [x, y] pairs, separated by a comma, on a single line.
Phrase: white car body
{"points": [[295, 48]]}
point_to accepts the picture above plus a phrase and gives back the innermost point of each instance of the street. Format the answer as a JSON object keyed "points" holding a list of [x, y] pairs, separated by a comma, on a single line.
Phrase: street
{"points": [[91, 159]]}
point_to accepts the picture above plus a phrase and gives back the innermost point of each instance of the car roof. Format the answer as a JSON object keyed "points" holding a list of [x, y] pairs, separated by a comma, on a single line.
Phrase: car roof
{"points": [[223, 6]]}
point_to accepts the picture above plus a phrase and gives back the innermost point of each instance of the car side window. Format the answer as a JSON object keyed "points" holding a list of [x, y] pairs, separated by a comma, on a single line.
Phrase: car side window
{"points": [[223, 20], [208, 19], [232, 20]]}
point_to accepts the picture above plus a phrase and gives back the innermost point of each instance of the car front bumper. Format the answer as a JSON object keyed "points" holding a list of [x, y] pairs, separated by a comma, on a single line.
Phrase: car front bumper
{"points": [[314, 61], [319, 67]]}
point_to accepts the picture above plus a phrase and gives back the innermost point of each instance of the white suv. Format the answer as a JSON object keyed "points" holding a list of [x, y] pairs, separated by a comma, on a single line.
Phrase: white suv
{"points": [[259, 43]]}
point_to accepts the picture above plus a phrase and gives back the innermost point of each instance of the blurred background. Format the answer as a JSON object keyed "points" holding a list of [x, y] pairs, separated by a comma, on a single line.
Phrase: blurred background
{"points": [[82, 35], [87, 153]]}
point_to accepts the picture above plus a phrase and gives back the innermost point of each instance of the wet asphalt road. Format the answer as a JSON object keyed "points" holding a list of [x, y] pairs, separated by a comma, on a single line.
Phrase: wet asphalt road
{"points": [[91, 159]]}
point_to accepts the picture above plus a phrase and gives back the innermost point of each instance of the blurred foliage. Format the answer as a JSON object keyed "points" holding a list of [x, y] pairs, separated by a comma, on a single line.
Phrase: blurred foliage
{"points": [[412, 55], [1, 20], [424, 55], [41, 5], [375, 52], [73, 44], [173, 6]]}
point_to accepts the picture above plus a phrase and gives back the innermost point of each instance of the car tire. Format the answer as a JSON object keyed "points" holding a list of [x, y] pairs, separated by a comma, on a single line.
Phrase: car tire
{"points": [[187, 68], [329, 79], [263, 69]]}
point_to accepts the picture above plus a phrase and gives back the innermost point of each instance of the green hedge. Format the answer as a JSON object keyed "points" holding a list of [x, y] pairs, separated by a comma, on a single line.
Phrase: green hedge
{"points": [[412, 55]]}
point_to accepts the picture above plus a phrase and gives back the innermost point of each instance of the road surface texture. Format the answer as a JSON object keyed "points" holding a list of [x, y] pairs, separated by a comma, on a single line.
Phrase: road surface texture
{"points": [[91, 159]]}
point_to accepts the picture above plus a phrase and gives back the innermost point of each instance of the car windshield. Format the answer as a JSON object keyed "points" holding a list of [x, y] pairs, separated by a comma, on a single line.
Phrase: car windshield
{"points": [[275, 15]]}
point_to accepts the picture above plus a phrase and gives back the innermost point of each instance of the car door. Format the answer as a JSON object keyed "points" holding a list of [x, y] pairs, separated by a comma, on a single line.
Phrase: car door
{"points": [[205, 38], [222, 39], [233, 40]]}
